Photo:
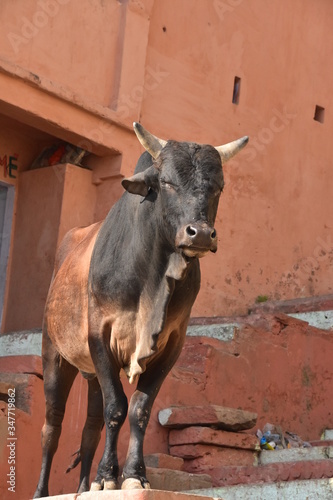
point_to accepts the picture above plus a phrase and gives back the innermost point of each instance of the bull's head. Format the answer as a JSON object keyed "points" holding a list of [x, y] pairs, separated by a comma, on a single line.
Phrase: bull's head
{"points": [[187, 179]]}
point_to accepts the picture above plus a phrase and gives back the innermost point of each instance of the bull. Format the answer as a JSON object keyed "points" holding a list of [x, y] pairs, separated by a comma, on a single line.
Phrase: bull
{"points": [[121, 297]]}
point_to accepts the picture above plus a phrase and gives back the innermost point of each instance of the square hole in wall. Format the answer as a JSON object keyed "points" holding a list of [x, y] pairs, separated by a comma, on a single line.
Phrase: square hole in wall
{"points": [[319, 115], [236, 90]]}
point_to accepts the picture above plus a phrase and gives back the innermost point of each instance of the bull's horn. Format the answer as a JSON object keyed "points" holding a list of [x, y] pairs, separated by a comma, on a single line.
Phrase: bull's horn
{"points": [[229, 150], [152, 144]]}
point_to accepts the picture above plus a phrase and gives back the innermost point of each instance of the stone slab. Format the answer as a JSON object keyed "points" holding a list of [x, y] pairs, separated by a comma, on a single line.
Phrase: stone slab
{"points": [[128, 495], [27, 342], [164, 461], [223, 332], [319, 319], [296, 455], [205, 435], [231, 419], [328, 434]]}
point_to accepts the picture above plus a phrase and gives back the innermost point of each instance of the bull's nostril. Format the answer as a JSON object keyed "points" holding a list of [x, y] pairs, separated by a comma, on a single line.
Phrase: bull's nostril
{"points": [[213, 234], [191, 231]]}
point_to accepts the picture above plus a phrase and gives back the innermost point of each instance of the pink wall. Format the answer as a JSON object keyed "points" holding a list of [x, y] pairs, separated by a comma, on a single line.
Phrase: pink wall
{"points": [[83, 72], [55, 39], [274, 220], [139, 60]]}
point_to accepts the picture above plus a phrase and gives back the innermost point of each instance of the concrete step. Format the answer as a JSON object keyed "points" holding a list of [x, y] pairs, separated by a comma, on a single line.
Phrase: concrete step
{"points": [[311, 489], [296, 455]]}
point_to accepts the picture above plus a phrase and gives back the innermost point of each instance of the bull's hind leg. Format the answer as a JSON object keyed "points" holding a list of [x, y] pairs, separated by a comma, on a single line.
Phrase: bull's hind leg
{"points": [[59, 376], [115, 411], [91, 432]]}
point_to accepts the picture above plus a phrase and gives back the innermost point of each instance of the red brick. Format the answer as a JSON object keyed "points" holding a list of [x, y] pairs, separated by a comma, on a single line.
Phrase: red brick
{"points": [[205, 435], [322, 442], [164, 461], [284, 474], [174, 480], [296, 470], [200, 456], [22, 364], [211, 415], [306, 471]]}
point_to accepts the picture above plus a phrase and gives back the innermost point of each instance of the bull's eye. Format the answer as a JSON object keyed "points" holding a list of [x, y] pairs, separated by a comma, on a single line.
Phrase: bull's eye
{"points": [[167, 185]]}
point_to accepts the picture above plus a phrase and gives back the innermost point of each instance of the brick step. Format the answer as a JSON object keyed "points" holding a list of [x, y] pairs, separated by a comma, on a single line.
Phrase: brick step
{"points": [[228, 465], [164, 472], [175, 480], [230, 419], [205, 435], [198, 456], [234, 475], [311, 489]]}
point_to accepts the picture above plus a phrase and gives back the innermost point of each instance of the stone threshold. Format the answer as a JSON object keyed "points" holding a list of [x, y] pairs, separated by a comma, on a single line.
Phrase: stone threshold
{"points": [[129, 495]]}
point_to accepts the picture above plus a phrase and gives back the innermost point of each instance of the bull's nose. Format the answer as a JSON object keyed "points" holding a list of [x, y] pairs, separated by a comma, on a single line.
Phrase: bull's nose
{"points": [[197, 239], [199, 232]]}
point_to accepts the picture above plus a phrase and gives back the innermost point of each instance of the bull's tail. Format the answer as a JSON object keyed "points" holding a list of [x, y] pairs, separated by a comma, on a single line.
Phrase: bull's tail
{"points": [[76, 460]]}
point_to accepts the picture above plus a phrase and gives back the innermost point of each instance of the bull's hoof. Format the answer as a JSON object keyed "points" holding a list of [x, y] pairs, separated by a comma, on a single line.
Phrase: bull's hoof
{"points": [[109, 484], [96, 486], [134, 484]]}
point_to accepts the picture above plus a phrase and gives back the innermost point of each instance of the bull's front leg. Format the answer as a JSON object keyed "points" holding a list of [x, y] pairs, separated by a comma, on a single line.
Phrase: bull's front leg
{"points": [[115, 411], [134, 472]]}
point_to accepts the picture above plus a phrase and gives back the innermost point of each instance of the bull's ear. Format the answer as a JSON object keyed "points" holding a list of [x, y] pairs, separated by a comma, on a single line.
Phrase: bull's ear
{"points": [[136, 184], [141, 182]]}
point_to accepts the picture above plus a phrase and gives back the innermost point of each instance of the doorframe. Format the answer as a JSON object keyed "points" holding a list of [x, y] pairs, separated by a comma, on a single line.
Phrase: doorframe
{"points": [[5, 242]]}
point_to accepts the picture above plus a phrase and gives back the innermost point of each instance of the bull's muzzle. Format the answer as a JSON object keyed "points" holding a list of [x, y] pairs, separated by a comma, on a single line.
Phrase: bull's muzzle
{"points": [[196, 239]]}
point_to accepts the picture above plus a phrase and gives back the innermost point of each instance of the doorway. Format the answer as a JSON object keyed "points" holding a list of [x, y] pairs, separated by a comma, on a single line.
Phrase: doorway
{"points": [[7, 193]]}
